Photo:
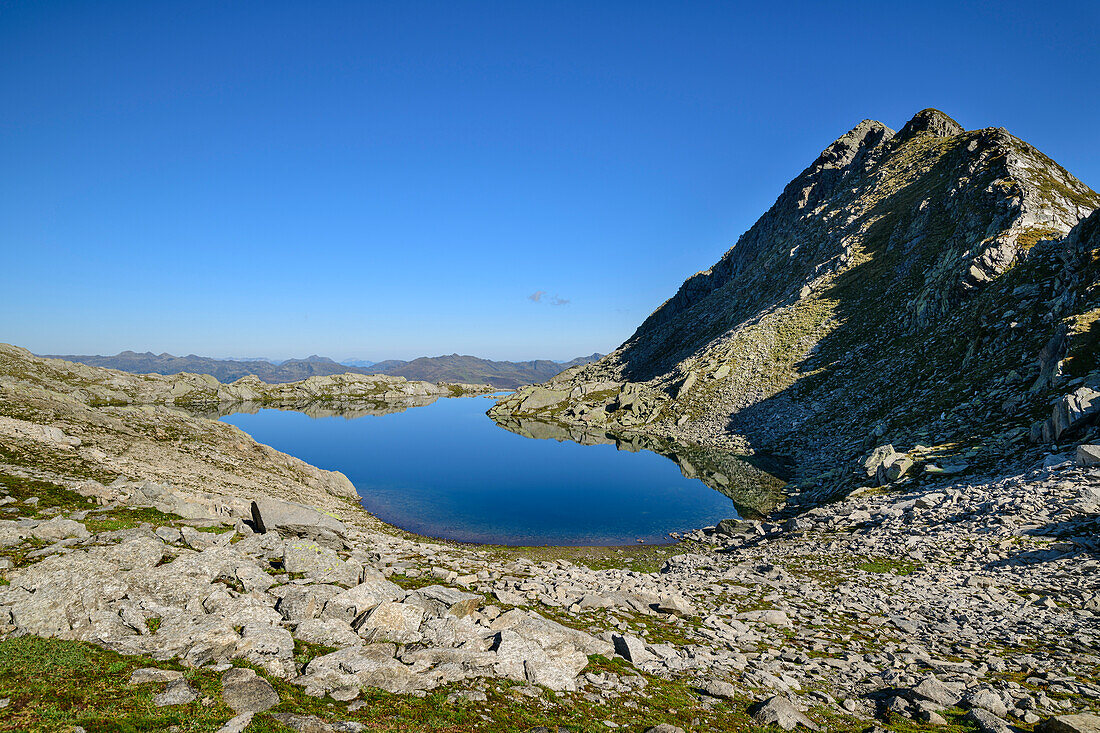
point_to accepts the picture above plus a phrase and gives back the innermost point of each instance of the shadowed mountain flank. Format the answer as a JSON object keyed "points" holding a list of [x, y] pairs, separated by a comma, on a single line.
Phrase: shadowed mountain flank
{"points": [[932, 288]]}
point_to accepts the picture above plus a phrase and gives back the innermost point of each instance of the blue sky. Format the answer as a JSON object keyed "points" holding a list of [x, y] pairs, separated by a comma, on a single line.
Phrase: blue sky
{"points": [[389, 180]]}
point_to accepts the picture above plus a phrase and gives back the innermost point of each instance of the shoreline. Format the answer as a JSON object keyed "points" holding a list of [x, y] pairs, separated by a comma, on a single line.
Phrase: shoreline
{"points": [[980, 587]]}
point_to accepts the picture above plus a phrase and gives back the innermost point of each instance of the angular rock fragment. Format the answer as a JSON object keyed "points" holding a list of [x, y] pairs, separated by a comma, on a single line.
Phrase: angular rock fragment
{"points": [[1088, 455], [1076, 723], [631, 648], [780, 711], [987, 722], [178, 692], [246, 692]]}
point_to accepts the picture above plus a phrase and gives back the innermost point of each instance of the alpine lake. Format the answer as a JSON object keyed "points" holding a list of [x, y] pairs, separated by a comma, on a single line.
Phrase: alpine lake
{"points": [[445, 469]]}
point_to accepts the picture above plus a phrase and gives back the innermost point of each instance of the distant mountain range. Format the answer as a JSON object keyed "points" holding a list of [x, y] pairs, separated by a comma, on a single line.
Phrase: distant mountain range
{"points": [[472, 370], [453, 368]]}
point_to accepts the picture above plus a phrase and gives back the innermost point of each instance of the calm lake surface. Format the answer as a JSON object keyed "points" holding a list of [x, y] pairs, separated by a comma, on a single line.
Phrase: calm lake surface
{"points": [[447, 470]]}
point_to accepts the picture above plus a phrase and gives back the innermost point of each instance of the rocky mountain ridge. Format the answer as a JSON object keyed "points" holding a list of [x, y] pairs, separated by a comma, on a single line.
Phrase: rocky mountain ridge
{"points": [[933, 289], [464, 368], [447, 368], [98, 386]]}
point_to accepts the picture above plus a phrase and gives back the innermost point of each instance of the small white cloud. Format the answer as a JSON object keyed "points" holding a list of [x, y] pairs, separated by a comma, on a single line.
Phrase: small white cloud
{"points": [[536, 297], [559, 301]]}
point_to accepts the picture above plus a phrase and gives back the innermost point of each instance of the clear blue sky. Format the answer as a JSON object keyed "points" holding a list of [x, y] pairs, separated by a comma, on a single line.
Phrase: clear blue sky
{"points": [[388, 180]]}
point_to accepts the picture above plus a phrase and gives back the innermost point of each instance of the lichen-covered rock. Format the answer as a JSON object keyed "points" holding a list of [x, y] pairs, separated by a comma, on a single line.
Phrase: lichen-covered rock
{"points": [[246, 692], [352, 603], [779, 711]]}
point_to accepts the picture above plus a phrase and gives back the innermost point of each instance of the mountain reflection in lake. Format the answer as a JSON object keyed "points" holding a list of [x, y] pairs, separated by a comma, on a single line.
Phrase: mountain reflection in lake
{"points": [[752, 483], [447, 470], [323, 408]]}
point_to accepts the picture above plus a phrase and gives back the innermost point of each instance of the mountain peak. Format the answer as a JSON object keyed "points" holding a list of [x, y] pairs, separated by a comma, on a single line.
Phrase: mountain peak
{"points": [[867, 135], [932, 121], [932, 266]]}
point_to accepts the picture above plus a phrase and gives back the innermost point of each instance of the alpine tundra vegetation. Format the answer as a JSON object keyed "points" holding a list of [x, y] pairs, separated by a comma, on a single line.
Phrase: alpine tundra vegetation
{"points": [[910, 332]]}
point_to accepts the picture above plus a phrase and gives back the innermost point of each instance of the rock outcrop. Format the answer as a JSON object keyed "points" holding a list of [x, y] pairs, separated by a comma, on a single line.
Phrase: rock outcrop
{"points": [[145, 440], [98, 386], [932, 288]]}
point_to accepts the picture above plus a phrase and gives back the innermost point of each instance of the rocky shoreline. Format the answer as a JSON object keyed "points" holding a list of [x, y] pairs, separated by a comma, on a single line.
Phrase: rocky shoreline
{"points": [[966, 602]]}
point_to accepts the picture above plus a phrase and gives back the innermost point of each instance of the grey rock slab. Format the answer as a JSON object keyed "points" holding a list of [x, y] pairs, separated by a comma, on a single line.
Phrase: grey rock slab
{"points": [[593, 600], [1088, 455], [168, 534], [246, 692], [177, 693], [550, 635], [631, 648], [271, 647], [372, 665], [446, 596], [304, 723], [780, 711], [286, 516], [437, 600], [153, 674], [236, 724], [1076, 723], [522, 659], [196, 539], [878, 456], [390, 621], [59, 529], [733, 527], [931, 717], [676, 605], [664, 728], [718, 688], [932, 689], [331, 632], [539, 397], [510, 598], [353, 602], [346, 693], [987, 722], [299, 602], [305, 556], [986, 700], [771, 617]]}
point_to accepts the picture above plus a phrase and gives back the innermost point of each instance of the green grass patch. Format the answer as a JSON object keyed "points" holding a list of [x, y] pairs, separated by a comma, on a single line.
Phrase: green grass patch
{"points": [[54, 685], [883, 565], [128, 518], [50, 495]]}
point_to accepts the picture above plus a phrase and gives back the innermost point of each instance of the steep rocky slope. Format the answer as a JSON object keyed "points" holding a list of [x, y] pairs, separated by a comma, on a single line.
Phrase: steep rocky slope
{"points": [[934, 289]]}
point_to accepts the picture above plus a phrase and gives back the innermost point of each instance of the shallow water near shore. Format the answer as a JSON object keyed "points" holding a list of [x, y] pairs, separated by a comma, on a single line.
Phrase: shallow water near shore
{"points": [[447, 470]]}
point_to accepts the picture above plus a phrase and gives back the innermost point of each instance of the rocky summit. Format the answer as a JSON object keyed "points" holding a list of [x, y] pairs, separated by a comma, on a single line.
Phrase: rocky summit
{"points": [[932, 290], [912, 326]]}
